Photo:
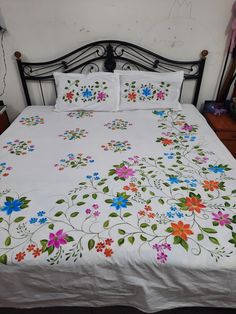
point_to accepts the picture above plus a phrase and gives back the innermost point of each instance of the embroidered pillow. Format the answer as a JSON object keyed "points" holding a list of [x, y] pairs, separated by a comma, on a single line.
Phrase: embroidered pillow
{"points": [[149, 90], [94, 91]]}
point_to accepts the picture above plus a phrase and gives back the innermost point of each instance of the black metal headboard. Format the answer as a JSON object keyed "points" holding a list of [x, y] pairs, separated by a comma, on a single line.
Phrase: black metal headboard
{"points": [[108, 55]]}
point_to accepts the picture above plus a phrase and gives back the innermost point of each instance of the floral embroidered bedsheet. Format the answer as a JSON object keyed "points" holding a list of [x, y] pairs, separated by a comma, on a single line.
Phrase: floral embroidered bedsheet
{"points": [[116, 208]]}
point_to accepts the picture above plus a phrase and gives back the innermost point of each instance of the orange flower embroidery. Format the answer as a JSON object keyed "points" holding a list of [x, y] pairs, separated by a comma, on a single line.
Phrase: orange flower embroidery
{"points": [[132, 187], [211, 185], [141, 213], [108, 252], [194, 204], [132, 96], [37, 252], [151, 215], [166, 141], [30, 247], [147, 208], [20, 256], [181, 230]]}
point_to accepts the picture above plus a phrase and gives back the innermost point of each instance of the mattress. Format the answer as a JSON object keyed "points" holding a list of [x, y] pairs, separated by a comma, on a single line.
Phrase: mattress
{"points": [[133, 208]]}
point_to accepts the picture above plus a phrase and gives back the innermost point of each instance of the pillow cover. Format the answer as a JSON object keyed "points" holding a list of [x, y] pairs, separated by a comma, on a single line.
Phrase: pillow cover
{"points": [[150, 90], [94, 91]]}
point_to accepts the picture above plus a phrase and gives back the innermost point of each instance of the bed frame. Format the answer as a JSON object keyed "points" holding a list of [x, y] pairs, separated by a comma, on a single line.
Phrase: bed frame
{"points": [[107, 55]]}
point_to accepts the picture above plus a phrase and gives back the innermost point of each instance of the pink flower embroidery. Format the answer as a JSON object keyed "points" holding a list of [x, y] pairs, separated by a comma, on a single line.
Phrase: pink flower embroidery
{"points": [[101, 96], [160, 95], [88, 211], [125, 172], [221, 218], [57, 239], [187, 127]]}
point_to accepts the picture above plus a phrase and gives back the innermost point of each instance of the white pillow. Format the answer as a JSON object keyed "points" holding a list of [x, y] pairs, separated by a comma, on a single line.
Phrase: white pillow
{"points": [[150, 90], [94, 91]]}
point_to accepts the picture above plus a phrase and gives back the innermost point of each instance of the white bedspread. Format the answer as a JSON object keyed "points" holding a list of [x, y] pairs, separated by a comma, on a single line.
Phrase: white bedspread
{"points": [[131, 208]]}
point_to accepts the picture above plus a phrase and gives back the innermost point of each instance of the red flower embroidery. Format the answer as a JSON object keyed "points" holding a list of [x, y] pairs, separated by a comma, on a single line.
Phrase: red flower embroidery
{"points": [[69, 95], [37, 252], [100, 246], [20, 256], [194, 204], [132, 96], [30, 247], [109, 241], [166, 141], [108, 252]]}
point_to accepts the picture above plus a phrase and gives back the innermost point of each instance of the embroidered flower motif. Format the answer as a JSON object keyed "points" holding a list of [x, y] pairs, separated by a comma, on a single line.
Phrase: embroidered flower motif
{"points": [[160, 95], [166, 141], [87, 93], [101, 96], [194, 204], [74, 161], [30, 247], [181, 230], [173, 180], [36, 252], [119, 202], [20, 256], [11, 206], [125, 172], [118, 124], [160, 248], [216, 169], [117, 146], [132, 96], [80, 114], [76, 134], [131, 187], [222, 219], [211, 185], [18, 147], [69, 96], [108, 252], [31, 121], [4, 169], [57, 239], [100, 246]]}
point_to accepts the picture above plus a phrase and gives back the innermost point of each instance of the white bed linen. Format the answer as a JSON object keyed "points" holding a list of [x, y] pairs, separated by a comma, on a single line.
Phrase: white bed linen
{"points": [[132, 271]]}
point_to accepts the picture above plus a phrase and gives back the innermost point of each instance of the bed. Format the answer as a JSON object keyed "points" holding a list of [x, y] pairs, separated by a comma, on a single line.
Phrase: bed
{"points": [[129, 208]]}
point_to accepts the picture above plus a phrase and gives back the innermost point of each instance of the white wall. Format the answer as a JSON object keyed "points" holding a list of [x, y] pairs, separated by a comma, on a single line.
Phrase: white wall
{"points": [[179, 29]]}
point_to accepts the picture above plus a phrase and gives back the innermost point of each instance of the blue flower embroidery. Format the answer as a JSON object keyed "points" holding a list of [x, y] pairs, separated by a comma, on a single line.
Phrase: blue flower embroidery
{"points": [[192, 183], [42, 220], [216, 169], [87, 93], [12, 206], [146, 92], [33, 220], [159, 113], [41, 213], [173, 180], [119, 202]]}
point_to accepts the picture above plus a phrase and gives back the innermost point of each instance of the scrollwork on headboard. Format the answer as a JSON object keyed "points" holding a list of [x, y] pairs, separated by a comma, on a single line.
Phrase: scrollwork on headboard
{"points": [[108, 55]]}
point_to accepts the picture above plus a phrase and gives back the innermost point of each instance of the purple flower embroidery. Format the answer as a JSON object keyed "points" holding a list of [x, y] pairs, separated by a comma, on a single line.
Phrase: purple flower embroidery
{"points": [[57, 239], [160, 248], [101, 96], [221, 218], [187, 127]]}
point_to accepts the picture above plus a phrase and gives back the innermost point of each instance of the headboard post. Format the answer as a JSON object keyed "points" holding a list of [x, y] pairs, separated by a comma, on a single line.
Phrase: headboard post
{"points": [[22, 76], [110, 63], [204, 54]]}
